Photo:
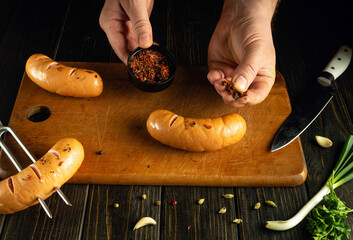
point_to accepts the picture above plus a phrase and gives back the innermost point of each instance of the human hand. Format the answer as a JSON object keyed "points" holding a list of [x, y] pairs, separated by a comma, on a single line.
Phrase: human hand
{"points": [[242, 49], [127, 25]]}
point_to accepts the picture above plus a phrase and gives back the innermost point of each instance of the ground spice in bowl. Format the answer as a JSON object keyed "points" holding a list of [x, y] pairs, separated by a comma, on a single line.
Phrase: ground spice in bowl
{"points": [[151, 69], [150, 66]]}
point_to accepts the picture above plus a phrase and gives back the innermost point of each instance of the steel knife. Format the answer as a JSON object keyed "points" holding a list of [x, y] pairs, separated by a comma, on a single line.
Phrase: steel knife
{"points": [[312, 104]]}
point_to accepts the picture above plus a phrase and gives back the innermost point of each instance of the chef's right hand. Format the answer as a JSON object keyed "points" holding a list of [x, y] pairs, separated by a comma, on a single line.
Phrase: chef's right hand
{"points": [[127, 25]]}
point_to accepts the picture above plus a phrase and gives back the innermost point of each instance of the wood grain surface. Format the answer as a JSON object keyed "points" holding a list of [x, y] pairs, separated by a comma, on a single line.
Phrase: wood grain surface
{"points": [[306, 35], [115, 124]]}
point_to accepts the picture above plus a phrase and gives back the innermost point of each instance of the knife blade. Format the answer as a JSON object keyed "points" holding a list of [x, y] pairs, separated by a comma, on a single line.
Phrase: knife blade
{"points": [[312, 104]]}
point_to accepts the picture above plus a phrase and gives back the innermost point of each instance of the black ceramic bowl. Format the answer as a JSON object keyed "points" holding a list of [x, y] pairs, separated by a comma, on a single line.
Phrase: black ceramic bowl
{"points": [[158, 84]]}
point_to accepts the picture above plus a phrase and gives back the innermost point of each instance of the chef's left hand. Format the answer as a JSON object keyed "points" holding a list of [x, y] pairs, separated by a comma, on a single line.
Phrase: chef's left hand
{"points": [[242, 49]]}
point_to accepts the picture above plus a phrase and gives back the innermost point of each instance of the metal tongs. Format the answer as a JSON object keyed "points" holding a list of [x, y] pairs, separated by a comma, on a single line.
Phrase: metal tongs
{"points": [[3, 130]]}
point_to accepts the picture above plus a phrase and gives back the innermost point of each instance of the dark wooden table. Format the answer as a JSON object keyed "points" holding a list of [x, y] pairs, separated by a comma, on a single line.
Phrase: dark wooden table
{"points": [[306, 36]]}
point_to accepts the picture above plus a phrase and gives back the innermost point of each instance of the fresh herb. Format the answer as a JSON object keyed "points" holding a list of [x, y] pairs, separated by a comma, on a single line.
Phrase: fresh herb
{"points": [[327, 221], [332, 215]]}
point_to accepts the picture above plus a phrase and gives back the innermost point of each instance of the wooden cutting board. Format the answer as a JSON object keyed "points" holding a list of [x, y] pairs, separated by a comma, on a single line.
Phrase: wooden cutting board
{"points": [[114, 123]]}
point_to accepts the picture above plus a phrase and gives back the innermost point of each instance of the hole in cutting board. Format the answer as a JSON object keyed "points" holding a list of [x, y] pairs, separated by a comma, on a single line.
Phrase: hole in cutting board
{"points": [[38, 113]]}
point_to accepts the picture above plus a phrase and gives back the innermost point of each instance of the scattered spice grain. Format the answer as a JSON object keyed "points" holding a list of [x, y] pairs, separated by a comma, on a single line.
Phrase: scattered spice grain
{"points": [[222, 210], [228, 195], [270, 203], [257, 206], [237, 221]]}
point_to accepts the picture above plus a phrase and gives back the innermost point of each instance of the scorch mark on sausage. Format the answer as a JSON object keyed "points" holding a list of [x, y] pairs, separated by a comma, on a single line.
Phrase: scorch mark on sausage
{"points": [[36, 171], [40, 58], [10, 184], [72, 71], [55, 153], [50, 65], [173, 120]]}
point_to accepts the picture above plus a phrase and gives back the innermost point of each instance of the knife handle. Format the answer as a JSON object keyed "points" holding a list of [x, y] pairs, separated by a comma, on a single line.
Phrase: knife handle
{"points": [[336, 66]]}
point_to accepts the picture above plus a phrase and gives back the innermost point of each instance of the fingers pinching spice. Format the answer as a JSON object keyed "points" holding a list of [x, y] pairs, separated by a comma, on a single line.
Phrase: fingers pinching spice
{"points": [[232, 91]]}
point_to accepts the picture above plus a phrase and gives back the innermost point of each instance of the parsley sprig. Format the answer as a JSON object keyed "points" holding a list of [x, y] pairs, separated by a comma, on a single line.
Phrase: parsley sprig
{"points": [[327, 221]]}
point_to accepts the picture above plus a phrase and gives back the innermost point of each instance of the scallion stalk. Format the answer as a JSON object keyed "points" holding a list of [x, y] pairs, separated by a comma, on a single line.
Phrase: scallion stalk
{"points": [[339, 176]]}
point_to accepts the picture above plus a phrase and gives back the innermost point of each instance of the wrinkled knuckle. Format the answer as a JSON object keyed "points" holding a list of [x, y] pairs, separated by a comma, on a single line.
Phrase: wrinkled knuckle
{"points": [[250, 70], [142, 25]]}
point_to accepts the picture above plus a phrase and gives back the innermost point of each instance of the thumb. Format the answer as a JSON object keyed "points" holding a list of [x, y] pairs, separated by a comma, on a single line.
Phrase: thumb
{"points": [[247, 69], [141, 25]]}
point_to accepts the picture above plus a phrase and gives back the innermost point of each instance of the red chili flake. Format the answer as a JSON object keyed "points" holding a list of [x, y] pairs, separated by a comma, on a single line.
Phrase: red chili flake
{"points": [[148, 166], [27, 178], [43, 160], [174, 202], [95, 76], [192, 124], [189, 227], [207, 126], [67, 149], [60, 68], [194, 160], [150, 66], [52, 172], [60, 163]]}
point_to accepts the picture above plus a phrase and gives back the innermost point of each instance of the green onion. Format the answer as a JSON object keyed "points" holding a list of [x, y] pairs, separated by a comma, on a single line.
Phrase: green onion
{"points": [[340, 175]]}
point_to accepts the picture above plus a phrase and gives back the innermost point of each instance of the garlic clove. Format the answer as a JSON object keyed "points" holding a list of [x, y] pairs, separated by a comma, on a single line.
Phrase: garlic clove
{"points": [[145, 221], [323, 141]]}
